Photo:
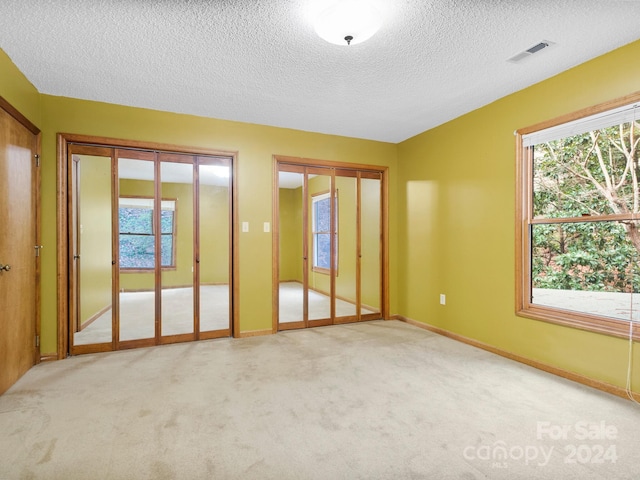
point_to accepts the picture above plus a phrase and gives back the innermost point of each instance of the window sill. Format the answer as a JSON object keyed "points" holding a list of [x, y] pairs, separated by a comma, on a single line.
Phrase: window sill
{"points": [[581, 321]]}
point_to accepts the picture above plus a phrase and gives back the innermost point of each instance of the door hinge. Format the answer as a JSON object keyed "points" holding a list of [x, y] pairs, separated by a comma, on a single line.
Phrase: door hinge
{"points": [[37, 157], [38, 247], [37, 340]]}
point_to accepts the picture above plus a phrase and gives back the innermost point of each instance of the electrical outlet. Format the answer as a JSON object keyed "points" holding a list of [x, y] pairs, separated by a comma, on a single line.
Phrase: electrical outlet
{"points": [[245, 226], [443, 299], [267, 227]]}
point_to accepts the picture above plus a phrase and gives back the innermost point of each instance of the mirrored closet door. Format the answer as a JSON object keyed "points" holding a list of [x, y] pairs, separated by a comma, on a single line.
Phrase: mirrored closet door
{"points": [[91, 247], [328, 245], [135, 222], [151, 247]]}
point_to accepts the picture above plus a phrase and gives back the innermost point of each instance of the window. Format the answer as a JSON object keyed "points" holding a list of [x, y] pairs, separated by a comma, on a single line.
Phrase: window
{"points": [[321, 226], [579, 221], [137, 239]]}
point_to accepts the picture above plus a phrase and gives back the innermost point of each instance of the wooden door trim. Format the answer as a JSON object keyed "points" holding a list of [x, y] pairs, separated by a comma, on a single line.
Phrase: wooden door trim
{"points": [[275, 246], [38, 279], [195, 260], [234, 240], [62, 238], [384, 240], [144, 146], [311, 162], [157, 268], [305, 247], [359, 246], [332, 245]]}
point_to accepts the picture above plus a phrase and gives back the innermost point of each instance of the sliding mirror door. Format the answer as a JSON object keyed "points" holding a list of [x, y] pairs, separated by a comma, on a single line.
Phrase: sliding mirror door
{"points": [[150, 247], [321, 246], [176, 233], [138, 248], [91, 252], [329, 246], [346, 234], [305, 247], [213, 257], [292, 300], [370, 254]]}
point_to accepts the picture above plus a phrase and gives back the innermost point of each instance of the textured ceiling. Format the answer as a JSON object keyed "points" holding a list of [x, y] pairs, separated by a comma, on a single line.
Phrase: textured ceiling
{"points": [[260, 61]]}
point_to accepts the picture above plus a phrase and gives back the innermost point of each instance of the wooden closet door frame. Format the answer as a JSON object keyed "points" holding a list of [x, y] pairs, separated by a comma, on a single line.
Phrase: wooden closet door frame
{"points": [[64, 140], [301, 165], [36, 191]]}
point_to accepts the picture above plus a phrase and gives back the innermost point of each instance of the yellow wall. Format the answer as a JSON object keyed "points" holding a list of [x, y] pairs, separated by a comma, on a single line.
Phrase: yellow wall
{"points": [[18, 91], [255, 145], [456, 210]]}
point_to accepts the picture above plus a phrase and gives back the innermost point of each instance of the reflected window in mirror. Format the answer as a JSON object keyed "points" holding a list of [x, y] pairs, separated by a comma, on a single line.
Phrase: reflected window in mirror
{"points": [[137, 233], [321, 231]]}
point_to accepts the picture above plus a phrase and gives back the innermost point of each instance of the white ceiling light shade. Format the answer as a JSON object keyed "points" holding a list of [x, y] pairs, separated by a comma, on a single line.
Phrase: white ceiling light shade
{"points": [[348, 22]]}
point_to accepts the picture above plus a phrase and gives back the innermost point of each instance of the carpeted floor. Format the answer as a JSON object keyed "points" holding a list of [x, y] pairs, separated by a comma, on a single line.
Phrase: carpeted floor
{"points": [[137, 312], [373, 400], [291, 302]]}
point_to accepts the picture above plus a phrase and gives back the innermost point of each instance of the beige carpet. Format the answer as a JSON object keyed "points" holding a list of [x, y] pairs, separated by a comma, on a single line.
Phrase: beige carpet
{"points": [[137, 317], [373, 400], [291, 301], [137, 314]]}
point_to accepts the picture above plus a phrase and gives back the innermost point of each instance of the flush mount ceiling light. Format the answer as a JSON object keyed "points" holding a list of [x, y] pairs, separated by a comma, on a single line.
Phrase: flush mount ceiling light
{"points": [[348, 22]]}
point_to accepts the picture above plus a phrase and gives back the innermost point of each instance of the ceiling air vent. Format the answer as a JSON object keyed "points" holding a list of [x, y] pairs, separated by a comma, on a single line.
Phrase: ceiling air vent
{"points": [[530, 51]]}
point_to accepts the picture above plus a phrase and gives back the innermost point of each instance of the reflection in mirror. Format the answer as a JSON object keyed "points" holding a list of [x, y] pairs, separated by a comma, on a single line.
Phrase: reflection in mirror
{"points": [[574, 268], [371, 228], [176, 233], [291, 296], [319, 245], [215, 260], [92, 249], [346, 235], [136, 249]]}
